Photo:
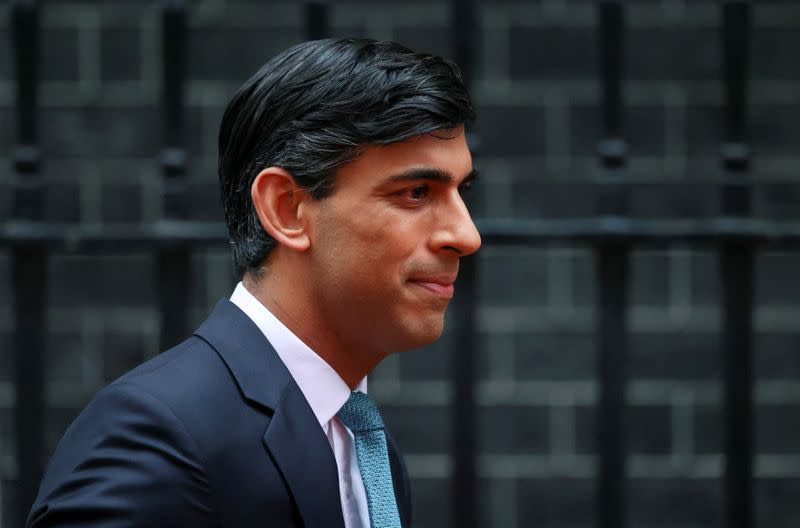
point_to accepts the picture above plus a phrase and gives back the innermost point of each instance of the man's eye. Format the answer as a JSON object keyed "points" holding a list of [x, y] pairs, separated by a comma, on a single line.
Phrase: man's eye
{"points": [[418, 193], [466, 186]]}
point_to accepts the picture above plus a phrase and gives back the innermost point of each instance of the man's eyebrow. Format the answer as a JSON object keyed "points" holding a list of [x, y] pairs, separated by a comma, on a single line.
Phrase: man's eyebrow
{"points": [[429, 174]]}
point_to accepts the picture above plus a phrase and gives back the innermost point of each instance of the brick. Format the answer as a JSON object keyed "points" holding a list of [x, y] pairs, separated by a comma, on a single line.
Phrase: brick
{"points": [[226, 53], [493, 509], [554, 200], [212, 118], [477, 199], [673, 200], [8, 441], [120, 54], [644, 128], [776, 502], [513, 429], [776, 279], [652, 502], [704, 166], [556, 502], [205, 202], [7, 373], [777, 429], [583, 277], [59, 54], [486, 352], [707, 427], [62, 201], [667, 53], [512, 3], [773, 129], [5, 198], [431, 499], [5, 276], [521, 169], [772, 54], [215, 262], [650, 4], [705, 279], [775, 355], [559, 355], [648, 429], [94, 132], [64, 356], [585, 129], [685, 355], [121, 203], [510, 130], [777, 200], [552, 53], [56, 422], [122, 352], [127, 281], [350, 28], [417, 428], [491, 60], [195, 134], [385, 5], [524, 273], [206, 293], [8, 501], [7, 136], [705, 130], [434, 40], [6, 59], [649, 278], [432, 362]]}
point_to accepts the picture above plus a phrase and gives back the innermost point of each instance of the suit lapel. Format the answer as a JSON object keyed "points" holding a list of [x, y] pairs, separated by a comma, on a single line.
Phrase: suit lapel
{"points": [[304, 456], [402, 491], [293, 437]]}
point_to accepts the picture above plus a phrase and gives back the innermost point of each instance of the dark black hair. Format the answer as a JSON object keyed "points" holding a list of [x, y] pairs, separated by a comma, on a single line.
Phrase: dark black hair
{"points": [[311, 108]]}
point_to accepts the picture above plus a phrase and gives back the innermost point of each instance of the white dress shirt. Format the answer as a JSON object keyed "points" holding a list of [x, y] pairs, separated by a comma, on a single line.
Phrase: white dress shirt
{"points": [[325, 392]]}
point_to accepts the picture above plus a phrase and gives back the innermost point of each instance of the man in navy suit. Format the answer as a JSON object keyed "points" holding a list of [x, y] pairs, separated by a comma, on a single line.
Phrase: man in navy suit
{"points": [[342, 165]]}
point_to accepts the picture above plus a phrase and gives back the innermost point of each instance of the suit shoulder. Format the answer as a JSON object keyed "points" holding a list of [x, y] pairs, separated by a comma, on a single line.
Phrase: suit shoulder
{"points": [[127, 455], [190, 379], [188, 370], [174, 360]]}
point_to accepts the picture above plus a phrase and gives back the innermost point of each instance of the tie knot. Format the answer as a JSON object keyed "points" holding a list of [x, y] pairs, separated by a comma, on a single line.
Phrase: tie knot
{"points": [[360, 414]]}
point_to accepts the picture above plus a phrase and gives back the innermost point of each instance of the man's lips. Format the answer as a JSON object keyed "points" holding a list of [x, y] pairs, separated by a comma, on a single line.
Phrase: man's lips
{"points": [[439, 285]]}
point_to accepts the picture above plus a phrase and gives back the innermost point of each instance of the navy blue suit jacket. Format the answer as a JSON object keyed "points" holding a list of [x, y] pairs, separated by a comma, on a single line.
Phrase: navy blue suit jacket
{"points": [[213, 432]]}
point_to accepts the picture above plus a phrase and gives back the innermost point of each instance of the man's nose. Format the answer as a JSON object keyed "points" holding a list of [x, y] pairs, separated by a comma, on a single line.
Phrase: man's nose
{"points": [[457, 232]]}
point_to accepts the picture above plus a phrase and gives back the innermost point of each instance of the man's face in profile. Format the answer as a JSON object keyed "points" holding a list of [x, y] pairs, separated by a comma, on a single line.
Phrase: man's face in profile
{"points": [[385, 245]]}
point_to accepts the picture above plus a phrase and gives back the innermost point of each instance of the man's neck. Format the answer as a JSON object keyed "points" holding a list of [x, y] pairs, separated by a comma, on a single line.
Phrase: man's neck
{"points": [[293, 308]]}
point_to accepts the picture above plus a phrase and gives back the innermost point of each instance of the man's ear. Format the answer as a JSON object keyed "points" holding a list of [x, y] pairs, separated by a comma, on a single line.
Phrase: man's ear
{"points": [[277, 198]]}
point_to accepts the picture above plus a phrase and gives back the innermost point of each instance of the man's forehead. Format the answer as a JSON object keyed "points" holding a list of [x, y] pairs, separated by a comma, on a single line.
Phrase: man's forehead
{"points": [[447, 155]]}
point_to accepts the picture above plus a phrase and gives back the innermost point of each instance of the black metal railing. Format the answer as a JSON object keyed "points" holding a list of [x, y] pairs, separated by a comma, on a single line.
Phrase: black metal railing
{"points": [[611, 234], [29, 262], [737, 266], [464, 442], [173, 261]]}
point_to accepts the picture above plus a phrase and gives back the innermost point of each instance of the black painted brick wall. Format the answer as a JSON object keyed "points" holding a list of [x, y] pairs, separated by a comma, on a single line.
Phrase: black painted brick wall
{"points": [[537, 97]]}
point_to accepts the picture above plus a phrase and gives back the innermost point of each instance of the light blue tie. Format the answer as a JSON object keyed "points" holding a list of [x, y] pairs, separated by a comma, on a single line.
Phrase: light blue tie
{"points": [[362, 417]]}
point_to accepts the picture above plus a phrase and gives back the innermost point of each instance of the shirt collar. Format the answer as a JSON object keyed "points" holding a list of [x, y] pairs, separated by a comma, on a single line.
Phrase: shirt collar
{"points": [[323, 388]]}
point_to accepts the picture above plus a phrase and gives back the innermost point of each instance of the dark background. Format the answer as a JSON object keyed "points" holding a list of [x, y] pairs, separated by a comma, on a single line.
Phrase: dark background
{"points": [[537, 98]]}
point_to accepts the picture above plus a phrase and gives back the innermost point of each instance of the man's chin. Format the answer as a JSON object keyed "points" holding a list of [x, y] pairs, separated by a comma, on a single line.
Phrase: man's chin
{"points": [[425, 332]]}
